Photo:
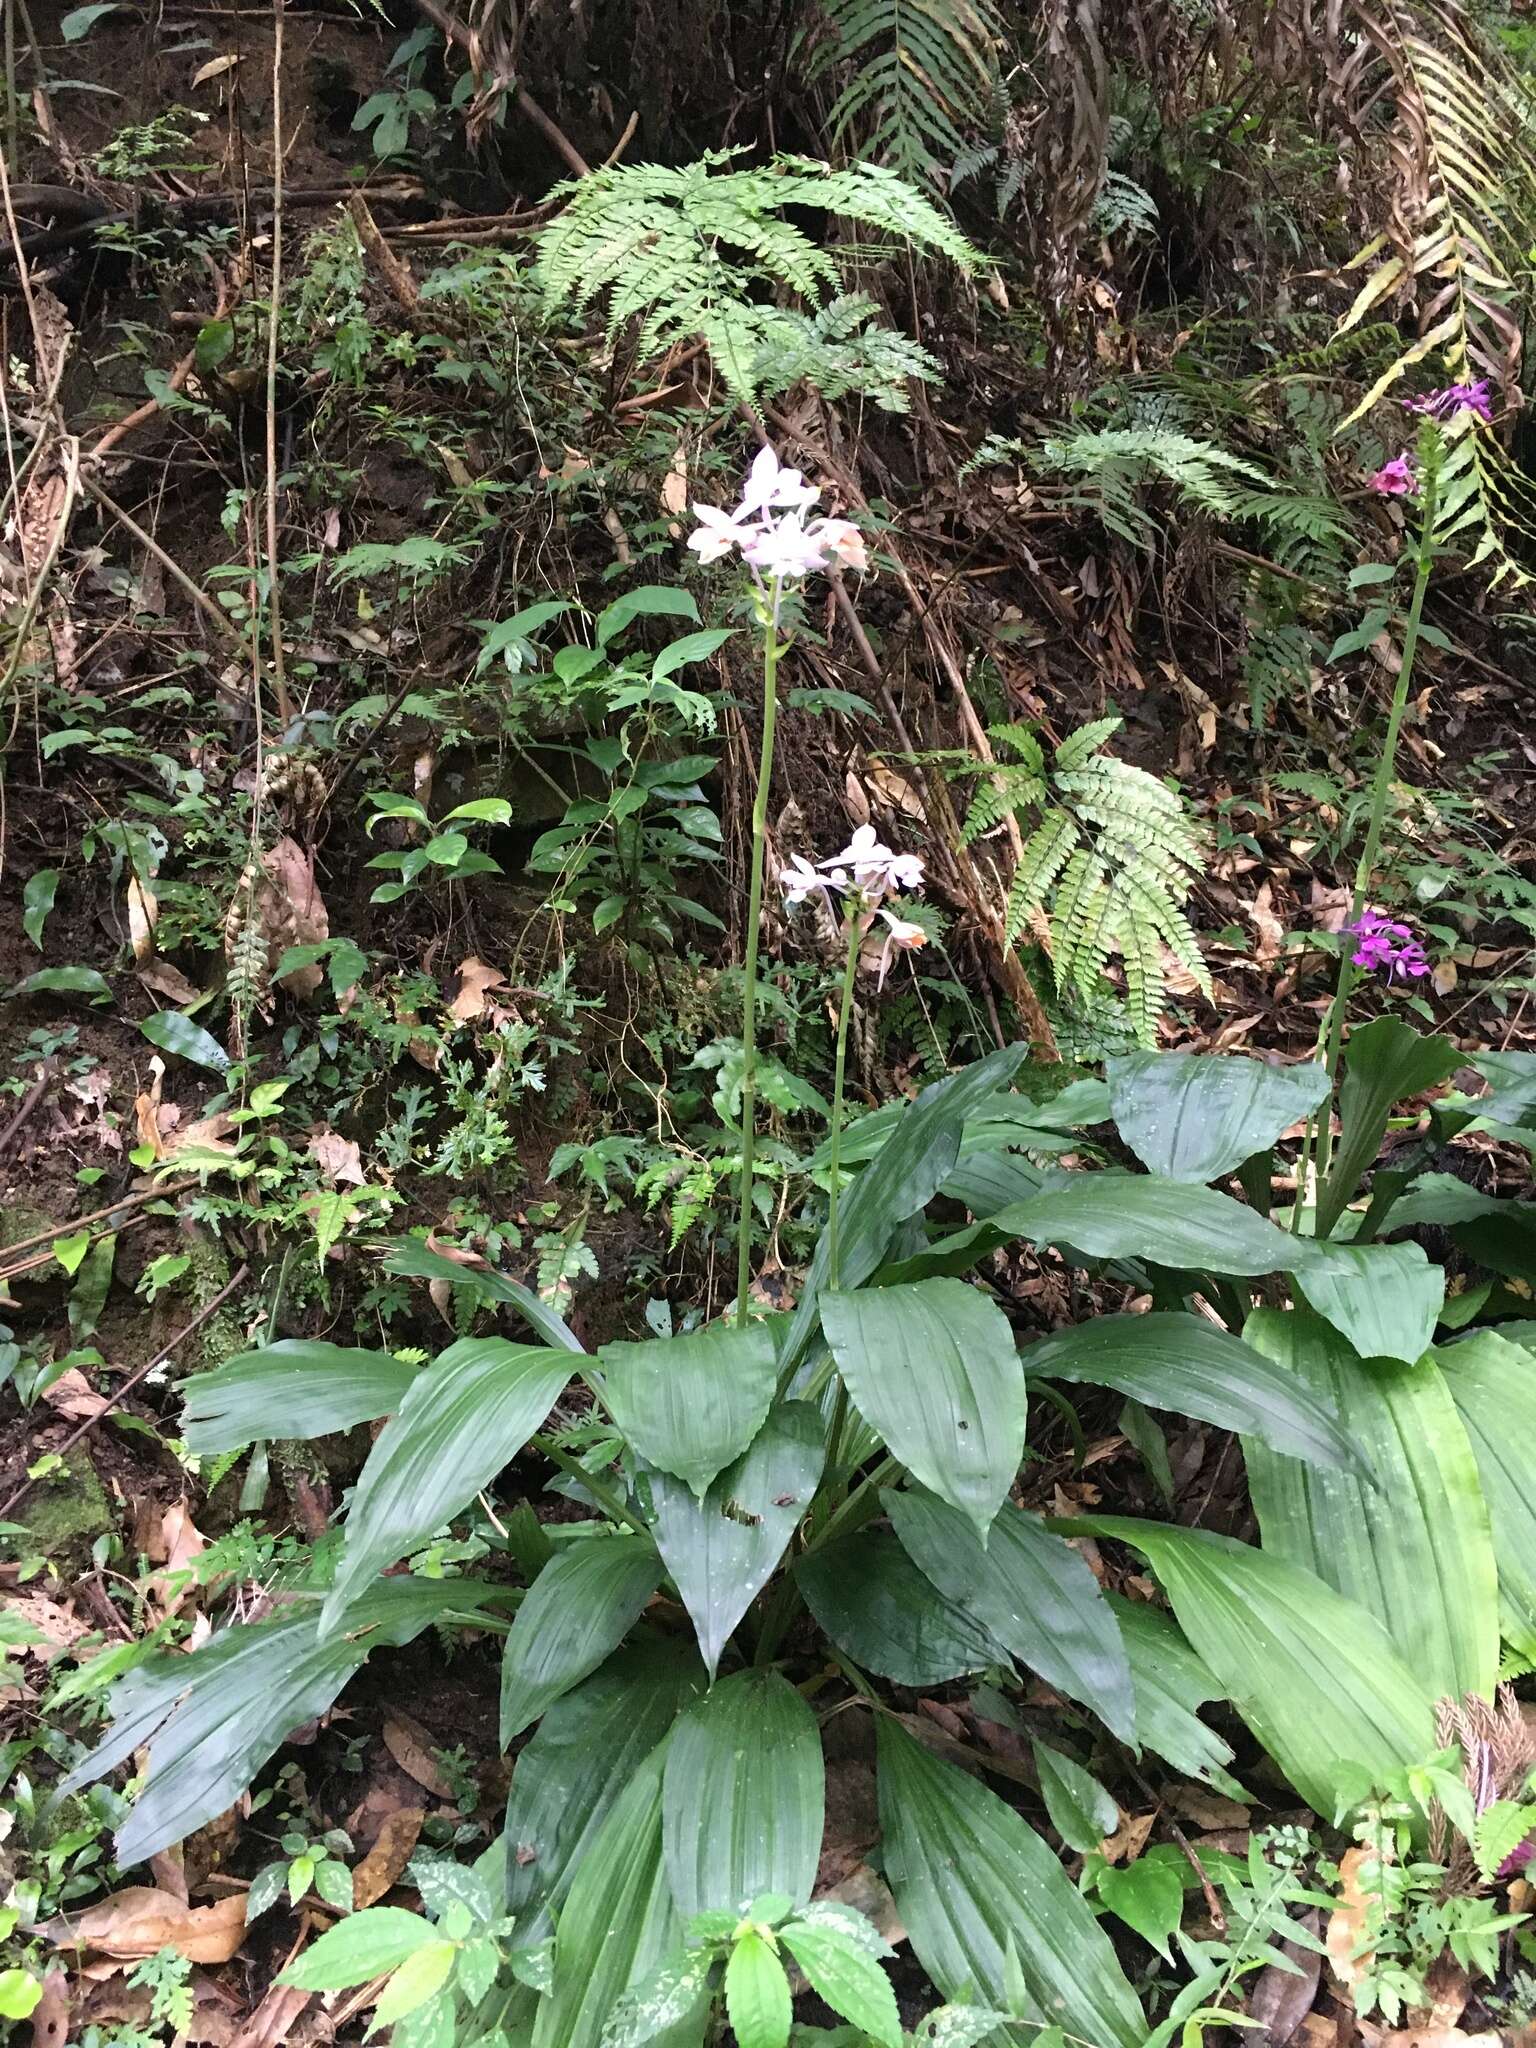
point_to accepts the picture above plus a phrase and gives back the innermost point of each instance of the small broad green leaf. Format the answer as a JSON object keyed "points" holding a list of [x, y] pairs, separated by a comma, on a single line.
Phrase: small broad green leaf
{"points": [[1147, 1895], [934, 1368], [722, 1550], [79, 21], [36, 902], [1385, 1061], [847, 1979], [333, 1881], [757, 2000], [444, 1884], [459, 1422], [1081, 1811], [174, 1033], [214, 344], [267, 1887], [311, 1388], [1493, 1384], [1415, 1549], [576, 1763], [1198, 1116], [20, 1990], [1314, 1675], [974, 1883], [650, 601], [420, 1977], [871, 1599], [1511, 1097], [1029, 1591], [691, 1405], [1384, 1298], [578, 1610], [63, 981], [744, 1795], [617, 1924], [69, 1251], [360, 1948], [1190, 1365]]}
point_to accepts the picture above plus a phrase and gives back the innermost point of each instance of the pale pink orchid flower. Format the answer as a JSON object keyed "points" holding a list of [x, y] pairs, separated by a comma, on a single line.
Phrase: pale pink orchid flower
{"points": [[771, 488], [877, 871], [901, 936], [800, 882], [785, 548], [844, 542], [717, 533]]}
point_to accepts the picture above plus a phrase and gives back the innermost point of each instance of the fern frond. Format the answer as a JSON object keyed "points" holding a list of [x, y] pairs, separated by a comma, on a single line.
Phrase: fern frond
{"points": [[1046, 852], [919, 73], [706, 253]]}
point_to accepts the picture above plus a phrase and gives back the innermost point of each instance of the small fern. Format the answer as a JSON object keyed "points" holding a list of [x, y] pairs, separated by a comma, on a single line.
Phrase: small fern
{"points": [[707, 253], [919, 74], [1108, 859]]}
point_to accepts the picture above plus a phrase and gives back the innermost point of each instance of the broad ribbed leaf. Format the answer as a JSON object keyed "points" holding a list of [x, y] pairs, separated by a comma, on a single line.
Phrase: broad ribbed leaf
{"points": [[871, 1599], [908, 1172], [934, 1368], [1171, 1686], [461, 1420], [1198, 1116], [294, 1388], [1031, 1592], [211, 1720], [580, 1757], [1511, 1097], [1081, 1811], [617, 1924], [1192, 1366], [409, 1257], [691, 1405], [744, 1796], [721, 1551], [1384, 1298], [971, 1878], [1385, 1061], [1416, 1549], [1493, 1384], [1314, 1675], [576, 1612]]}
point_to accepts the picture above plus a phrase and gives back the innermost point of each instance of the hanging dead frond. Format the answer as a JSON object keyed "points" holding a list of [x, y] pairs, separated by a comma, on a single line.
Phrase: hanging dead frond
{"points": [[1071, 151]]}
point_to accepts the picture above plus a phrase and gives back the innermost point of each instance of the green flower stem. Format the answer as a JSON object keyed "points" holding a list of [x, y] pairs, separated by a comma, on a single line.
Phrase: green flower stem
{"points": [[834, 1171], [1423, 568], [772, 649]]}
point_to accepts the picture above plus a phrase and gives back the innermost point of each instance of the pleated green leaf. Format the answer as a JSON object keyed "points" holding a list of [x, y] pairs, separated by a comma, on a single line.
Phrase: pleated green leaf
{"points": [[1190, 1365], [971, 1879], [691, 1405], [1493, 1384], [412, 1259], [744, 1796], [458, 1423], [880, 1610], [294, 1388], [1315, 1676], [1031, 1592], [580, 1757], [1385, 1061], [1081, 1811], [1198, 1116], [1384, 1298], [935, 1369], [617, 1924], [910, 1168], [577, 1611], [722, 1550], [1171, 1686], [1415, 1550]]}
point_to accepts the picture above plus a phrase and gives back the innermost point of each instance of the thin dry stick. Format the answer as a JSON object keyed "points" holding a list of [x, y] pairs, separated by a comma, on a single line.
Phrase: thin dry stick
{"points": [[274, 603], [133, 1380], [117, 1208]]}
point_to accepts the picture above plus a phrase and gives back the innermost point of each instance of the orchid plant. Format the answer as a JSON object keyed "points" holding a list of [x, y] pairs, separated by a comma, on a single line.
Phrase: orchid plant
{"points": [[781, 546]]}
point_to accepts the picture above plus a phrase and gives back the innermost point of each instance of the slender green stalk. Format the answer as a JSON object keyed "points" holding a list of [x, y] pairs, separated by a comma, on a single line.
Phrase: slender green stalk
{"points": [[1369, 851], [834, 1167], [772, 649]]}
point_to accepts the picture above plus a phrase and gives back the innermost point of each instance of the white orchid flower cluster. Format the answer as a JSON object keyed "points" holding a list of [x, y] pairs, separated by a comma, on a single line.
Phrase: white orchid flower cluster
{"points": [[770, 528], [863, 875]]}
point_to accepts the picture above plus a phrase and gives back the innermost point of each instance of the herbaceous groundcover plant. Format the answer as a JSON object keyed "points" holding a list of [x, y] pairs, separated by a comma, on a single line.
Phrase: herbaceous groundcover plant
{"points": [[792, 1517]]}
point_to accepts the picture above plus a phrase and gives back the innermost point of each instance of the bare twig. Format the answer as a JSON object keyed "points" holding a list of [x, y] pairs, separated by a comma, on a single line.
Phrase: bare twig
{"points": [[133, 1379], [274, 565], [117, 1208], [29, 1102], [455, 31]]}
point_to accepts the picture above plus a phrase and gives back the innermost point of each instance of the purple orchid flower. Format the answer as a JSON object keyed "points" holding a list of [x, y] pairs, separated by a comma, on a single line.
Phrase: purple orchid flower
{"points": [[1396, 479], [1382, 944]]}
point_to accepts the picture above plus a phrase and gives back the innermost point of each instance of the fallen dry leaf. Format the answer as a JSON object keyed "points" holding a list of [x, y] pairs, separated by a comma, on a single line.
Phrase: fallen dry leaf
{"points": [[73, 1396], [411, 1746], [273, 2020], [674, 485], [1347, 1922], [1129, 1839], [386, 1860], [207, 1134], [143, 911], [177, 1542], [1261, 915], [338, 1159], [162, 979], [61, 1627], [50, 2016], [139, 1921], [474, 979], [292, 911], [1208, 1809]]}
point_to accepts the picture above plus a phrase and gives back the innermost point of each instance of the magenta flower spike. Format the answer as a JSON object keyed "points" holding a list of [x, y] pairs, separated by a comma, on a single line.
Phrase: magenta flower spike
{"points": [[1396, 479]]}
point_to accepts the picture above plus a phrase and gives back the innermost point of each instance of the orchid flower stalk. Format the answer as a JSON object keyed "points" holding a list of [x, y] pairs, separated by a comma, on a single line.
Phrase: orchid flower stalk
{"points": [[781, 546]]}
